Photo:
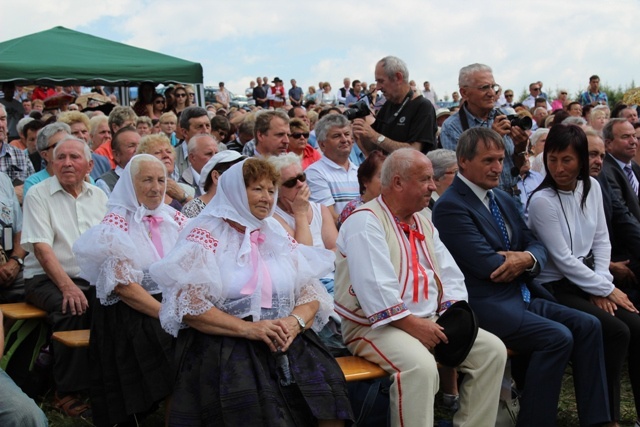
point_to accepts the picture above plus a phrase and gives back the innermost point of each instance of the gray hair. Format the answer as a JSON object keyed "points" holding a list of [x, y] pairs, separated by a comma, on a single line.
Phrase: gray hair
{"points": [[441, 159], [607, 131], [119, 115], [193, 142], [86, 149], [285, 160], [96, 121], [466, 73], [327, 122], [47, 132], [22, 122], [537, 135], [398, 163], [263, 121], [138, 159], [192, 112], [468, 142], [392, 65], [578, 121]]}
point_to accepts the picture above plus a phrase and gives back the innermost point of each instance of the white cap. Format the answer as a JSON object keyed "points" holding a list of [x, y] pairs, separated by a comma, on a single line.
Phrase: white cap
{"points": [[225, 156]]}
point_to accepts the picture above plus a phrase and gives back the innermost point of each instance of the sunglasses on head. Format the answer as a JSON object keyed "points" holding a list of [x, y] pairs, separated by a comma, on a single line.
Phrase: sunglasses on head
{"points": [[291, 182], [297, 135]]}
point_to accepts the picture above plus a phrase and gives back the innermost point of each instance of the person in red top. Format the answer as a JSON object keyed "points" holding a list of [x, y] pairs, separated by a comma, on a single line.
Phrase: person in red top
{"points": [[277, 94], [42, 92], [298, 143]]}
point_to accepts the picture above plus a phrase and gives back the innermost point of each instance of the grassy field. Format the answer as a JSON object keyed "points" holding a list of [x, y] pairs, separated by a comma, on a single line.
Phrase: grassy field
{"points": [[567, 415]]}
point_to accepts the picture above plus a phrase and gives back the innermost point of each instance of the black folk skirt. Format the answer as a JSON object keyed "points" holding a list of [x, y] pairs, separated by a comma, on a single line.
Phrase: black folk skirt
{"points": [[132, 367], [227, 381]]}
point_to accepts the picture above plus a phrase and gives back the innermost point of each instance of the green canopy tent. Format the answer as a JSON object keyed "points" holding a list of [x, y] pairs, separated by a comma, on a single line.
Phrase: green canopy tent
{"points": [[63, 57]]}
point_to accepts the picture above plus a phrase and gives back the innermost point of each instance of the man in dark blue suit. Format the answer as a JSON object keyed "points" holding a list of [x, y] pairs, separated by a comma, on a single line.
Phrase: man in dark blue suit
{"points": [[482, 228]]}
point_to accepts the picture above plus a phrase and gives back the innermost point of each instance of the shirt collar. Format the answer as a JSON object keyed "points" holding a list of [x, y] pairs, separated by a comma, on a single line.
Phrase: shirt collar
{"points": [[55, 186], [334, 165], [621, 164], [480, 192]]}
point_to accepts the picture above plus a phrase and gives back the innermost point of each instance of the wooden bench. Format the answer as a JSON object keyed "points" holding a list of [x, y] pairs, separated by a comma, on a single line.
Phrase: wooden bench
{"points": [[22, 311], [354, 368], [357, 369], [79, 338]]}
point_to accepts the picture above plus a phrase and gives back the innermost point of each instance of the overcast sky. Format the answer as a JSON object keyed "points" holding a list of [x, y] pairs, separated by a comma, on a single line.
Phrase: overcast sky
{"points": [[559, 42]]}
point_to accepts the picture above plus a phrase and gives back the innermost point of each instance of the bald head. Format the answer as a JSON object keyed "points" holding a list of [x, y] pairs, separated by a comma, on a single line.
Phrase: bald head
{"points": [[201, 148]]}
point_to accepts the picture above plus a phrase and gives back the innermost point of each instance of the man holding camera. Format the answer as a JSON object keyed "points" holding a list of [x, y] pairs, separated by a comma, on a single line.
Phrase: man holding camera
{"points": [[479, 90], [407, 119]]}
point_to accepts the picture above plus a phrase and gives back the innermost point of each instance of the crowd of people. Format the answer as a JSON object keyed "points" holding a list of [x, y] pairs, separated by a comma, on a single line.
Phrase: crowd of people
{"points": [[220, 254]]}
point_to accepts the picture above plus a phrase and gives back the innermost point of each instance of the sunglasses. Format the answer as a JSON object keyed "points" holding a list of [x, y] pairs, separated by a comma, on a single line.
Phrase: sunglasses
{"points": [[159, 101], [291, 182], [51, 147], [297, 135], [563, 93], [181, 95]]}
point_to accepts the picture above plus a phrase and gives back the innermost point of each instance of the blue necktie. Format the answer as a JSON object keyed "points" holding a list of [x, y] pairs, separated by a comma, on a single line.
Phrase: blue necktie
{"points": [[632, 178], [497, 216]]}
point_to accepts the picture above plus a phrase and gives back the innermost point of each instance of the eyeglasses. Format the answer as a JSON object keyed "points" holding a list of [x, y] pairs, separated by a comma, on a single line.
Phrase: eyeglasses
{"points": [[297, 135], [51, 147], [181, 95], [290, 183], [486, 88]]}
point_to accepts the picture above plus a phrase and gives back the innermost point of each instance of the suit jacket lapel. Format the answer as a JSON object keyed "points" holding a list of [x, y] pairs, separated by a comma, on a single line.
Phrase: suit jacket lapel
{"points": [[481, 210]]}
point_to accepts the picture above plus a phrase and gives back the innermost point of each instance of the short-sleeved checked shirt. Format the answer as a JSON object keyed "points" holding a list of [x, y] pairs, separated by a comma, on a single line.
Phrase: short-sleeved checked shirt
{"points": [[15, 163]]}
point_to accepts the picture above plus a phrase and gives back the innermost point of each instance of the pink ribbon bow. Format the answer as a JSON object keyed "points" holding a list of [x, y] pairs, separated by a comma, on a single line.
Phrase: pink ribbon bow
{"points": [[154, 232], [256, 237]]}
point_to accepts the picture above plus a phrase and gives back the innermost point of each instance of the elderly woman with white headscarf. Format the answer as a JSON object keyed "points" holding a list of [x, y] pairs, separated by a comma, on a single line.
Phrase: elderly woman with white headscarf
{"points": [[251, 296], [130, 353]]}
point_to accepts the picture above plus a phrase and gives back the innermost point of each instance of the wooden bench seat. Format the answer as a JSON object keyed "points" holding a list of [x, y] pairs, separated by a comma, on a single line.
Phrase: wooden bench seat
{"points": [[354, 368], [79, 338], [22, 311]]}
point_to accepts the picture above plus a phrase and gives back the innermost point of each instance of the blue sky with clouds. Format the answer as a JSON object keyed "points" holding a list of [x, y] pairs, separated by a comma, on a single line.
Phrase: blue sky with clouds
{"points": [[559, 42]]}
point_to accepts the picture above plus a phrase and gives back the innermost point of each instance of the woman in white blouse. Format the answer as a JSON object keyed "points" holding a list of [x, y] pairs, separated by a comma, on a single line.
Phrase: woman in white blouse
{"points": [[567, 215], [131, 356], [251, 295]]}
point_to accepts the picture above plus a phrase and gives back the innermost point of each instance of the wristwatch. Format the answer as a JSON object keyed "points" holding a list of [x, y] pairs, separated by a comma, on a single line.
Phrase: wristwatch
{"points": [[301, 322], [380, 139], [19, 260]]}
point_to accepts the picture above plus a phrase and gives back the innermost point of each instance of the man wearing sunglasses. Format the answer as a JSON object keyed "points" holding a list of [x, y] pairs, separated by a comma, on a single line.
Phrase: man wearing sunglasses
{"points": [[479, 91], [535, 92]]}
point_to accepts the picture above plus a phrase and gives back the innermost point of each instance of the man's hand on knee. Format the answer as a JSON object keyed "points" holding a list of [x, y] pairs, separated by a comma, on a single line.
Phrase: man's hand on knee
{"points": [[74, 299], [428, 332]]}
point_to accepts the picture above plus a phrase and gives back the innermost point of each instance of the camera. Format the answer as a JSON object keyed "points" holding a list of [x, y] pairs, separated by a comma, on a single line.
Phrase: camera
{"points": [[359, 110], [524, 122]]}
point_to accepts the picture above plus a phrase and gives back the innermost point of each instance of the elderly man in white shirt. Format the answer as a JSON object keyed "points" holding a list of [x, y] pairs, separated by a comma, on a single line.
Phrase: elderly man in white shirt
{"points": [[56, 212], [394, 277]]}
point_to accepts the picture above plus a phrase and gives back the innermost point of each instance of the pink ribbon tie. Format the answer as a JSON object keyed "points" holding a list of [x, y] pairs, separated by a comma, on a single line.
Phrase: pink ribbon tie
{"points": [[154, 232], [258, 265]]}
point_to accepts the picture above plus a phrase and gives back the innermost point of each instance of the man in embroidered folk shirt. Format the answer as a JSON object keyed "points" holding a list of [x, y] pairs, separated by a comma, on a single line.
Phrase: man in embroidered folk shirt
{"points": [[393, 278]]}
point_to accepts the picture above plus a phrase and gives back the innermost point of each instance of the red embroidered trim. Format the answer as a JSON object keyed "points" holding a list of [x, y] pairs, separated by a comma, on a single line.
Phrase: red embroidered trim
{"points": [[116, 220], [204, 238]]}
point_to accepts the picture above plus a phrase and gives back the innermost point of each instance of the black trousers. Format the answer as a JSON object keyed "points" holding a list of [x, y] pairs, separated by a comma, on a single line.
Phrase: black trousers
{"points": [[621, 336], [70, 365]]}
